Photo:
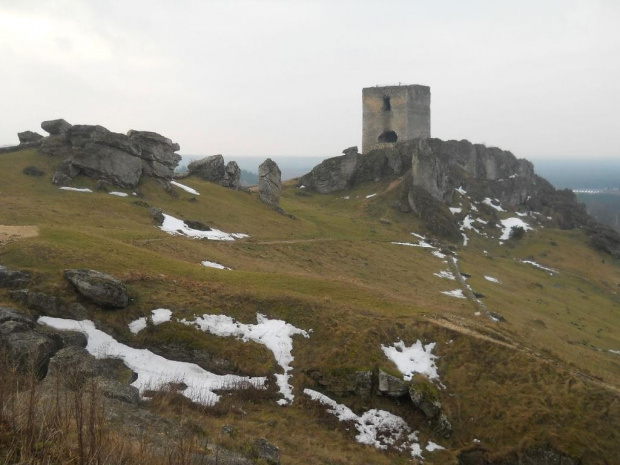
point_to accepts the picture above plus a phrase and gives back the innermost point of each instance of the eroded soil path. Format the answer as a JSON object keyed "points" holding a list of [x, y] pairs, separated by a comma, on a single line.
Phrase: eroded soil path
{"points": [[15, 233]]}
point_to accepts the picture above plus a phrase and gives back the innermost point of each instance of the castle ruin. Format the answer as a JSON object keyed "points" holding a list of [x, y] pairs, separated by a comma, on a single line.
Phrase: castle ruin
{"points": [[395, 113]]}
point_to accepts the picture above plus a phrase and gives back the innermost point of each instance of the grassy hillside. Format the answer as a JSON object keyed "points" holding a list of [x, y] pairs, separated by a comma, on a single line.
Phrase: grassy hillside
{"points": [[544, 376]]}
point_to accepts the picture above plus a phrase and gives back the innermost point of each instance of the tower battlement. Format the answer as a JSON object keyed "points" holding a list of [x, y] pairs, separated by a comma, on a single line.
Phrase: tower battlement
{"points": [[395, 113]]}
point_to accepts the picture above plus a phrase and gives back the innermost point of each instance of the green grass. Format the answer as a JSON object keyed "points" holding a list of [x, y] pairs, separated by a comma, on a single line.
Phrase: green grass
{"points": [[334, 270]]}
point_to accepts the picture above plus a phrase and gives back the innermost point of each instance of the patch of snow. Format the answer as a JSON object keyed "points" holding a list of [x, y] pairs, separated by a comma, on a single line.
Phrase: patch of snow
{"points": [[431, 446], [346, 197], [473, 208], [185, 188], [468, 223], [370, 196], [214, 265], [458, 293], [489, 202], [456, 210], [476, 441], [302, 187], [477, 313], [76, 189], [422, 244], [414, 359], [492, 279], [119, 194], [154, 371], [445, 274], [481, 221], [514, 176], [174, 226], [465, 239], [159, 316], [539, 266], [549, 218], [419, 236], [438, 254], [376, 428], [460, 190], [521, 214], [276, 335], [617, 352], [510, 223]]}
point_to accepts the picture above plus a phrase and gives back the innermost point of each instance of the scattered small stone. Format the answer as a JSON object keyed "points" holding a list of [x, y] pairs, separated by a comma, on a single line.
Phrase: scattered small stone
{"points": [[267, 452], [33, 171]]}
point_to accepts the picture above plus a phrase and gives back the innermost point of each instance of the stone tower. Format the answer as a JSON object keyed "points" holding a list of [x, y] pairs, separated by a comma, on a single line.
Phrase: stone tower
{"points": [[395, 113]]}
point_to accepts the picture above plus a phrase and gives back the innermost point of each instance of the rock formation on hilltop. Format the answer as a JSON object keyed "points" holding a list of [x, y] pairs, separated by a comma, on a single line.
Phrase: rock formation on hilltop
{"points": [[116, 158], [269, 182], [212, 169]]}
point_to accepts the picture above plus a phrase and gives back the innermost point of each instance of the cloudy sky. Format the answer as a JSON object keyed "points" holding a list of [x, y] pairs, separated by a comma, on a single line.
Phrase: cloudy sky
{"points": [[273, 77]]}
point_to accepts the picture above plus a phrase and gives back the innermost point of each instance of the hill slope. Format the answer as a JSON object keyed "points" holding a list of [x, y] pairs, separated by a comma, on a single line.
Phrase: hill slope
{"points": [[349, 270]]}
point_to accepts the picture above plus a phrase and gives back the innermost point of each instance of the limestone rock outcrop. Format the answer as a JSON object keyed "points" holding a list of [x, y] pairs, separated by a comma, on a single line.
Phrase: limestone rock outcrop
{"points": [[99, 288], [112, 157], [269, 182], [28, 137], [11, 278], [232, 175], [209, 168]]}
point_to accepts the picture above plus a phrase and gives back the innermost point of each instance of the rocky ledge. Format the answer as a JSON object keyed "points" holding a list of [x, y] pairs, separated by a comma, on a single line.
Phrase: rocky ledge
{"points": [[112, 157]]}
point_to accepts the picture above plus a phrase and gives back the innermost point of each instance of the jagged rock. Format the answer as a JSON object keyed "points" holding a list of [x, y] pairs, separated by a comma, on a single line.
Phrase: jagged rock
{"points": [[443, 426], [76, 367], [353, 168], [474, 456], [232, 175], [604, 238], [11, 314], [55, 126], [210, 168], [391, 386], [27, 349], [9, 278], [100, 288], [27, 137], [67, 338], [199, 225], [157, 214], [48, 305], [269, 182], [157, 152], [425, 397], [267, 452], [33, 171], [105, 155]]}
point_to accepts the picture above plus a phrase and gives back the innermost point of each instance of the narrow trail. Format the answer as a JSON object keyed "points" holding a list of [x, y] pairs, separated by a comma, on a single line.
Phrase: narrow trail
{"points": [[465, 328]]}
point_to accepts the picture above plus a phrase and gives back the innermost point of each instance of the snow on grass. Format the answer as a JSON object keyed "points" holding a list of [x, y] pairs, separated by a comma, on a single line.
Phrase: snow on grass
{"points": [[489, 202], [346, 197], [438, 254], [431, 446], [159, 316], [446, 274], [218, 266], [458, 293], [510, 223], [185, 188], [376, 428], [152, 370], [492, 279], [521, 214], [419, 236], [119, 194], [617, 352], [539, 266], [456, 210], [174, 226], [473, 208], [414, 359], [460, 190], [422, 244], [276, 335], [465, 239], [468, 223], [75, 189], [370, 196]]}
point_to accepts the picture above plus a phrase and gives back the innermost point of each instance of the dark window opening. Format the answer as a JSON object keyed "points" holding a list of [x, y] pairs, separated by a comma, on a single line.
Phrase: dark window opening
{"points": [[388, 136], [387, 106]]}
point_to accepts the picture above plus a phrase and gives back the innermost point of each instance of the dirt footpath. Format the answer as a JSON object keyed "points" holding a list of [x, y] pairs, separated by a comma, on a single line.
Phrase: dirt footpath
{"points": [[14, 233]]}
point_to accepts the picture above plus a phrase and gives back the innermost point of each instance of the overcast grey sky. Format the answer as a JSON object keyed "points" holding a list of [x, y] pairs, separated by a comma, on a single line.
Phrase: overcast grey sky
{"points": [[538, 77]]}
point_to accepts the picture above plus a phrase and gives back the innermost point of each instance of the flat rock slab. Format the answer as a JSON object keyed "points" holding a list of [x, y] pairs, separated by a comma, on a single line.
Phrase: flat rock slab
{"points": [[99, 288]]}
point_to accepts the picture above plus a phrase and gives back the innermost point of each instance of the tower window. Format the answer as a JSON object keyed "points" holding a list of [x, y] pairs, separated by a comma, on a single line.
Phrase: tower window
{"points": [[388, 136], [387, 106]]}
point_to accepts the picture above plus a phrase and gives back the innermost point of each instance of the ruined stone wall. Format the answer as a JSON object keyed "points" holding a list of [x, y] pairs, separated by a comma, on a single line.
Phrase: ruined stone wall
{"points": [[394, 114]]}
